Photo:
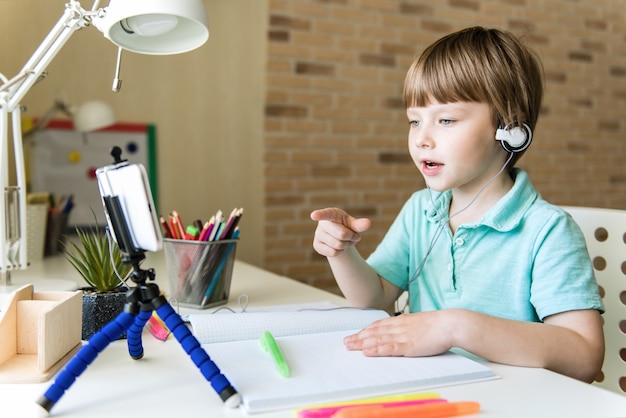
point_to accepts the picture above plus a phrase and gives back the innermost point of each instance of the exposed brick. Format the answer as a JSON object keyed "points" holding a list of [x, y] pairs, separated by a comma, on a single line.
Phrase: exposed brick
{"points": [[609, 125], [617, 178], [289, 22], [619, 94], [335, 132], [307, 156], [285, 110], [394, 103], [331, 171], [581, 102], [335, 28], [536, 39], [593, 46], [439, 27], [580, 56], [595, 24], [465, 4], [395, 158], [284, 200], [377, 59], [362, 211], [396, 48], [314, 69], [578, 147], [278, 36], [416, 9], [556, 77], [618, 71], [341, 2]]}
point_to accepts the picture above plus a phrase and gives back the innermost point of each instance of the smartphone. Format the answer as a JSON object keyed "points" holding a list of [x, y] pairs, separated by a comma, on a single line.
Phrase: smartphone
{"points": [[129, 184]]}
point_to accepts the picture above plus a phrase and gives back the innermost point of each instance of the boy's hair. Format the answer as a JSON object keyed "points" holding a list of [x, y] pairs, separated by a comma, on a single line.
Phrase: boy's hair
{"points": [[479, 65]]}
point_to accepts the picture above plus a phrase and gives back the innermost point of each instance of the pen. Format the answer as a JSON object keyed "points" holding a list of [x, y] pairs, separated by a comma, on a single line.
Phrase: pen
{"points": [[68, 204], [233, 227], [431, 410], [166, 227], [227, 224], [327, 412], [218, 221], [269, 344], [220, 268], [174, 228], [206, 229], [179, 224]]}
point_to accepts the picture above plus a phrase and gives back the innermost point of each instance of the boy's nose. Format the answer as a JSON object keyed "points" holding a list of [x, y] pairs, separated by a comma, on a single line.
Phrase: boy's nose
{"points": [[421, 139]]}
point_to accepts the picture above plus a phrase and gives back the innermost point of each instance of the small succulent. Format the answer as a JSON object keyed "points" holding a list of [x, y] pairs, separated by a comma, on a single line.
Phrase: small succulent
{"points": [[95, 259]]}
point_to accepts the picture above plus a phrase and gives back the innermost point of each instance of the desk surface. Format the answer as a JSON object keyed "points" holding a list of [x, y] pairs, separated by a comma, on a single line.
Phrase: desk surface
{"points": [[165, 383]]}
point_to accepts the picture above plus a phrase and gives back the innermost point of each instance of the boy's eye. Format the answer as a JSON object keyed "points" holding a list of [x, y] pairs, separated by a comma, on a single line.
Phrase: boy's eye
{"points": [[414, 123], [446, 122]]}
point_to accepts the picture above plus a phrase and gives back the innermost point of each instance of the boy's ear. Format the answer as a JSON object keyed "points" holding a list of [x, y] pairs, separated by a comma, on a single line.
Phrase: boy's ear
{"points": [[514, 137]]}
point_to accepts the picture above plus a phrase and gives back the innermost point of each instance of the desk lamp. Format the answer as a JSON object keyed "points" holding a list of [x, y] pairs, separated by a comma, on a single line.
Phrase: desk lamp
{"points": [[155, 27]]}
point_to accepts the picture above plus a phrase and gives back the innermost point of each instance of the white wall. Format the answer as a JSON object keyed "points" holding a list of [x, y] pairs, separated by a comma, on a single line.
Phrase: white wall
{"points": [[207, 105]]}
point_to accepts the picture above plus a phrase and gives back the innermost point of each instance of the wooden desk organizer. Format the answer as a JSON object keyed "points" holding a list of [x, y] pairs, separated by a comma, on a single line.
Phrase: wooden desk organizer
{"points": [[39, 333]]}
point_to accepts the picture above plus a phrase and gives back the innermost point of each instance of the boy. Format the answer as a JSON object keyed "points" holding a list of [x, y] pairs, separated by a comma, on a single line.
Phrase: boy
{"points": [[490, 266]]}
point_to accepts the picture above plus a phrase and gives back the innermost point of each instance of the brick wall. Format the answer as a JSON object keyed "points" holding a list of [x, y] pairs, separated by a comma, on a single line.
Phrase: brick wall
{"points": [[335, 128]]}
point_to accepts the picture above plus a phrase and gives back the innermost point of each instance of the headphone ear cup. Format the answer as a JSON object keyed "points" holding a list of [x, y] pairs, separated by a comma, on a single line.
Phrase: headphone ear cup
{"points": [[514, 138]]}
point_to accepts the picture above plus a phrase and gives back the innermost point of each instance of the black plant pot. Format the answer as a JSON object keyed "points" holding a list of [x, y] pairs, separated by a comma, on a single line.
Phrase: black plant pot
{"points": [[101, 308]]}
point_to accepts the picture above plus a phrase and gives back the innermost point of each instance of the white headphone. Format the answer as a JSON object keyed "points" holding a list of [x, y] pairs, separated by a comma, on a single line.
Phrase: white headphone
{"points": [[514, 138]]}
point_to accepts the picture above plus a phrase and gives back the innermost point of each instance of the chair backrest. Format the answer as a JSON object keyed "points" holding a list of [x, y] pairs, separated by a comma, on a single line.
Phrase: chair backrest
{"points": [[605, 235]]}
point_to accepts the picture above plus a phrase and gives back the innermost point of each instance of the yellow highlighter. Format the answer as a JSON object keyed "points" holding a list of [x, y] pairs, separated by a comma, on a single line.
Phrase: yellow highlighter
{"points": [[270, 345]]}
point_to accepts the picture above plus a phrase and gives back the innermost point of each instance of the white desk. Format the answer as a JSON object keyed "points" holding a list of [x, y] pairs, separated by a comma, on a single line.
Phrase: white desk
{"points": [[165, 383]]}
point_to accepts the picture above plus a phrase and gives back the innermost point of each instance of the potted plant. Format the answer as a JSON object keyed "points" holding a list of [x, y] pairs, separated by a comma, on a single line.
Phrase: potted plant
{"points": [[98, 260]]}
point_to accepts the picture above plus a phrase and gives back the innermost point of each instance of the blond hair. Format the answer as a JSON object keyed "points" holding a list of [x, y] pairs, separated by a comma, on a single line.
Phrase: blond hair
{"points": [[479, 65]]}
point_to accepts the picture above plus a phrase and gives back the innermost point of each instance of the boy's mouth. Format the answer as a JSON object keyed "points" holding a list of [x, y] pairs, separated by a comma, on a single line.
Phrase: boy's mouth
{"points": [[430, 168]]}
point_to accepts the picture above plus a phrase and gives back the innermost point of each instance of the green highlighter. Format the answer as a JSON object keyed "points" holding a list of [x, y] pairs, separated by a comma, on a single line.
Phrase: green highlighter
{"points": [[269, 344]]}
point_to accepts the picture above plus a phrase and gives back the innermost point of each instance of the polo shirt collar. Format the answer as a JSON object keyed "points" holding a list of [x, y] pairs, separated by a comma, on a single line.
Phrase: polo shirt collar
{"points": [[504, 216]]}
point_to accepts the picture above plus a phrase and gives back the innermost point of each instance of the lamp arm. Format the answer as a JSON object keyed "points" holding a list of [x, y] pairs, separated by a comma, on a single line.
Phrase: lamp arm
{"points": [[73, 19], [20, 174], [4, 179], [12, 91]]}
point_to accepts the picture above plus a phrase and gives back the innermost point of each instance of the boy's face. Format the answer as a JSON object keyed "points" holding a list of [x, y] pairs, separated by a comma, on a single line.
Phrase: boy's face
{"points": [[453, 145]]}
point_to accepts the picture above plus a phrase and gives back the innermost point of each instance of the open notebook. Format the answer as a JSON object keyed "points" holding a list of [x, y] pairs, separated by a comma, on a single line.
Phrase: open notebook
{"points": [[322, 370]]}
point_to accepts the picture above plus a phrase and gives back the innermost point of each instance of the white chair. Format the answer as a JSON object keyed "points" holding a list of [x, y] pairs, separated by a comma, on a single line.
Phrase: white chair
{"points": [[605, 235]]}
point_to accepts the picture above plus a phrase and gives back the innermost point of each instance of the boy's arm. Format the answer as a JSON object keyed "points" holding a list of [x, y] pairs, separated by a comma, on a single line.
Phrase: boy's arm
{"points": [[360, 284], [570, 343], [335, 237]]}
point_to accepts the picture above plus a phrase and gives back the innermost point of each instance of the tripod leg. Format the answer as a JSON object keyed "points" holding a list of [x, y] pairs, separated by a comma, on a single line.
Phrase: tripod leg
{"points": [[201, 359], [84, 357], [133, 335]]}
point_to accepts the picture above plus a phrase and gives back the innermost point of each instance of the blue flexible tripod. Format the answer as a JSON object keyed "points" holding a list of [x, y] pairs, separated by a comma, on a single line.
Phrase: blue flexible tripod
{"points": [[141, 301]]}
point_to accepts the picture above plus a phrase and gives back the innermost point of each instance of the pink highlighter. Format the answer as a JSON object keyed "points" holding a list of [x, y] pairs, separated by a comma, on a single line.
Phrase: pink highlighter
{"points": [[327, 412]]}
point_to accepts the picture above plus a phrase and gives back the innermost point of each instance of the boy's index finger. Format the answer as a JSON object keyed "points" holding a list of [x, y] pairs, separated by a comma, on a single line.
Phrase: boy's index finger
{"points": [[329, 214], [341, 217]]}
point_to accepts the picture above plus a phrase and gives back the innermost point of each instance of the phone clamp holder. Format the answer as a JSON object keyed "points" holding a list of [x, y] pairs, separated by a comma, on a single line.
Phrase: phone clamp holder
{"points": [[141, 301]]}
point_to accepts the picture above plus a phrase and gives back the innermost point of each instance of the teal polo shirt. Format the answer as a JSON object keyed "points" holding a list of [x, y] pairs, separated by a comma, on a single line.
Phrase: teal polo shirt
{"points": [[524, 260]]}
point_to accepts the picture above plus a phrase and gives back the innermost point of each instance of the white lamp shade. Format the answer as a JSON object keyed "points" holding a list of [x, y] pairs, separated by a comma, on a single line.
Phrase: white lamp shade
{"points": [[155, 27], [93, 115]]}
